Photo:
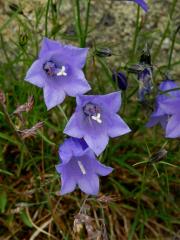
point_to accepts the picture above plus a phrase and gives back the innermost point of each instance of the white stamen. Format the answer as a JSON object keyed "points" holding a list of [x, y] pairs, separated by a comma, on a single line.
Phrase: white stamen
{"points": [[81, 167], [97, 118], [62, 72]]}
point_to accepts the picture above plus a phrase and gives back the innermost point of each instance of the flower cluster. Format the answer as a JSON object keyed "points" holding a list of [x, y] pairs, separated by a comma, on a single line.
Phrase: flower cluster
{"points": [[58, 70]]}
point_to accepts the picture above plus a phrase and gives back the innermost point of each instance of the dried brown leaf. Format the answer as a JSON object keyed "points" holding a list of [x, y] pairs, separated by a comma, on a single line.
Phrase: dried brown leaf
{"points": [[31, 132]]}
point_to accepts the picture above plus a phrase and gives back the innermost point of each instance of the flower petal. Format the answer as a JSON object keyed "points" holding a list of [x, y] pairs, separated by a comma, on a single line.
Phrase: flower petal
{"points": [[77, 56], [65, 151], [111, 101], [53, 96], [97, 142], [73, 127], [35, 74], [116, 126], [49, 45], [68, 182], [76, 84], [173, 127], [101, 169], [89, 185], [170, 106]]}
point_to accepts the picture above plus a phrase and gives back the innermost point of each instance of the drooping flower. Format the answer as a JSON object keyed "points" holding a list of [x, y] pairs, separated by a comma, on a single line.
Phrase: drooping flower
{"points": [[145, 83], [142, 4], [121, 80], [58, 70], [144, 71], [95, 119], [79, 166], [159, 115]]}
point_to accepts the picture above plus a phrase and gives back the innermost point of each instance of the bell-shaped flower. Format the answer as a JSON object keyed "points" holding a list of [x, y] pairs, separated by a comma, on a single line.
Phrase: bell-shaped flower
{"points": [[159, 115], [96, 119], [58, 70], [79, 167], [142, 4]]}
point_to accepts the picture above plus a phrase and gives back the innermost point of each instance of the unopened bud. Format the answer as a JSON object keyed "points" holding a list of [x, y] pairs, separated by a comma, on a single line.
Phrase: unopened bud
{"points": [[103, 52], [120, 79]]}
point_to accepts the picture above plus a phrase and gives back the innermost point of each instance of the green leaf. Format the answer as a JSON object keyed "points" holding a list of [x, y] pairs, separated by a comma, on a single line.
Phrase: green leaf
{"points": [[6, 172], [25, 219], [3, 201]]}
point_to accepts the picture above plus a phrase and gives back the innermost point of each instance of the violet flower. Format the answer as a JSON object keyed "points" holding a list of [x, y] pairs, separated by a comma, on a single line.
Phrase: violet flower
{"points": [[58, 70], [95, 119], [159, 115], [79, 167]]}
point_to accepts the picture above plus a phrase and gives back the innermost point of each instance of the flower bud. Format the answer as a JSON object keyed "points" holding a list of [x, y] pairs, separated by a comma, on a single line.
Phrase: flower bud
{"points": [[120, 79], [103, 52], [23, 39]]}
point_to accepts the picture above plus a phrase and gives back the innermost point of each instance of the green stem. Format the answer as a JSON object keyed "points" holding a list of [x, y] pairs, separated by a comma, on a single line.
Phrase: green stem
{"points": [[172, 47], [86, 23], [78, 23], [156, 53], [46, 18], [63, 113], [11, 124], [136, 32]]}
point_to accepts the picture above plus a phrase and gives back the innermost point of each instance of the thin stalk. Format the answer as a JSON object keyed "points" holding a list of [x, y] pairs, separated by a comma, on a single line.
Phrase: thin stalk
{"points": [[78, 23], [136, 32], [156, 53], [132, 93], [172, 47], [124, 101], [46, 18], [42, 156], [86, 23], [63, 113], [10, 123]]}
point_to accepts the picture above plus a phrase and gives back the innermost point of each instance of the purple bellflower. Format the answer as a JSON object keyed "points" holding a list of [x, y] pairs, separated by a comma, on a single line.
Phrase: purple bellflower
{"points": [[159, 115], [95, 119], [58, 70], [80, 167]]}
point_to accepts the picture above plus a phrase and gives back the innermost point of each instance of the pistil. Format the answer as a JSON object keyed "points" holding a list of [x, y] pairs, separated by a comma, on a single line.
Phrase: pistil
{"points": [[81, 167], [62, 71]]}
